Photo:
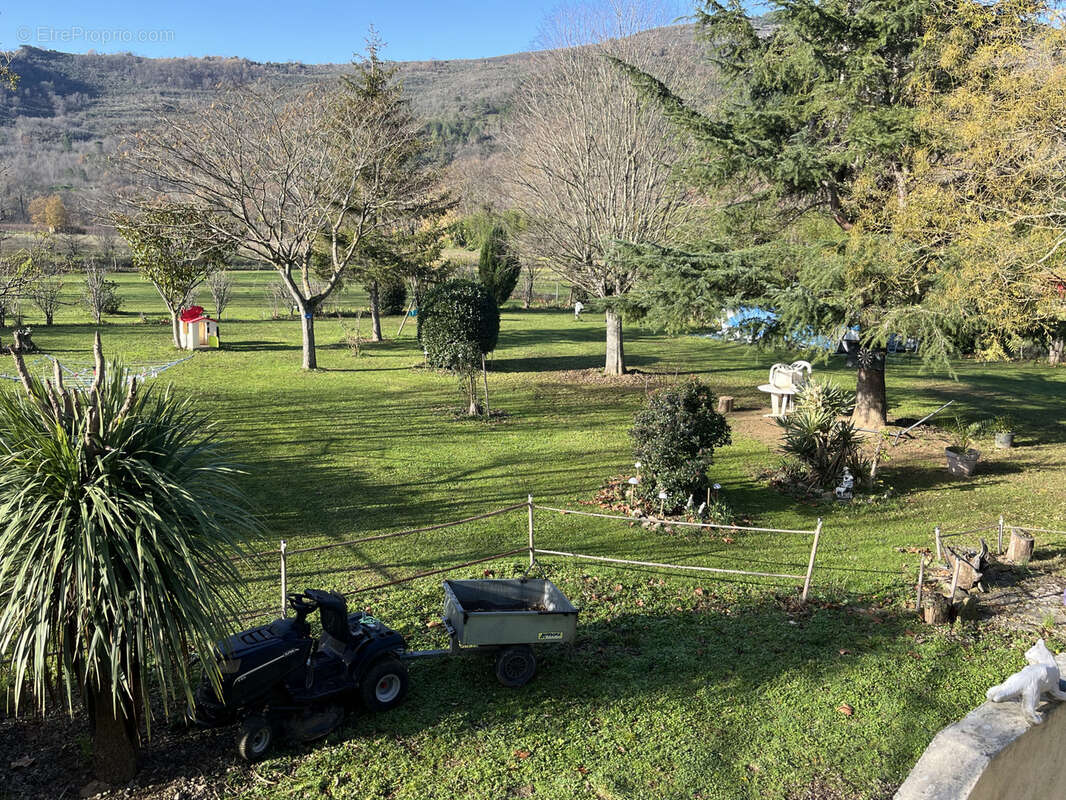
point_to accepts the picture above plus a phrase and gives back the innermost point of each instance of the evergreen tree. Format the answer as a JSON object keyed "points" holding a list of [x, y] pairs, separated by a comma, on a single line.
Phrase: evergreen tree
{"points": [[498, 266], [405, 236], [820, 120]]}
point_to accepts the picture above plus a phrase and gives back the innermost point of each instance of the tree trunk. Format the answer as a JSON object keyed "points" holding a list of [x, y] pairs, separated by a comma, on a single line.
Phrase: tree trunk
{"points": [[1055, 350], [48, 318], [871, 401], [114, 740], [375, 312], [616, 358], [175, 328], [473, 409], [307, 326]]}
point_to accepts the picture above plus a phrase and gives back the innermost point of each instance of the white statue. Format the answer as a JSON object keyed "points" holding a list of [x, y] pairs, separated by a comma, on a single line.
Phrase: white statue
{"points": [[1042, 675], [847, 484]]}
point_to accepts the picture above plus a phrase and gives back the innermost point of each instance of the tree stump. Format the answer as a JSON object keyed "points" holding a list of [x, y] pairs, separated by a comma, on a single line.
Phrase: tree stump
{"points": [[937, 610], [1020, 549], [725, 404]]}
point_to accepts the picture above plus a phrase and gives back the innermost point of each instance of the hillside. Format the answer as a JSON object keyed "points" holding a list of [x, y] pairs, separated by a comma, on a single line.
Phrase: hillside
{"points": [[70, 110]]}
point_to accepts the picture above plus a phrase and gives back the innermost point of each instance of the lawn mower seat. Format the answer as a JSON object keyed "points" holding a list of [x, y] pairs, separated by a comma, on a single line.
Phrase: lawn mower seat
{"points": [[334, 613]]}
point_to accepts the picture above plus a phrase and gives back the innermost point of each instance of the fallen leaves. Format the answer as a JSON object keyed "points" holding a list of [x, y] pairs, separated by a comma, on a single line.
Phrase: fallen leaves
{"points": [[845, 709], [521, 755]]}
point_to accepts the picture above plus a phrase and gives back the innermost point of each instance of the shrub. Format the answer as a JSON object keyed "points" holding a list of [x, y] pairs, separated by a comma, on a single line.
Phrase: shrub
{"points": [[674, 438], [498, 267], [458, 323], [819, 445], [392, 299]]}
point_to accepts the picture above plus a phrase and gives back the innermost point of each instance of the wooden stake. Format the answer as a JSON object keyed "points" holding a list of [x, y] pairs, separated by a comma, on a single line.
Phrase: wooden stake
{"points": [[936, 535], [810, 564], [531, 546], [485, 377], [921, 582], [955, 579]]}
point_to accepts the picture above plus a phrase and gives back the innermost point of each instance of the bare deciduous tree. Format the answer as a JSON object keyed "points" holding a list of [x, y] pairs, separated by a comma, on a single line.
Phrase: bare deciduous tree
{"points": [[281, 178], [221, 288], [590, 160]]}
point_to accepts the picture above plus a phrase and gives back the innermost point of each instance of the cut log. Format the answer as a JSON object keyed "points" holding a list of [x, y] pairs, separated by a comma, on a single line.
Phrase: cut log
{"points": [[937, 610], [972, 564], [1020, 549], [725, 404]]}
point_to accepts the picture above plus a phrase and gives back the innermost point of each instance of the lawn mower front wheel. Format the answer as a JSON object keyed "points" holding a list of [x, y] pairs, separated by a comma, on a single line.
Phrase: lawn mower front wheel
{"points": [[255, 737]]}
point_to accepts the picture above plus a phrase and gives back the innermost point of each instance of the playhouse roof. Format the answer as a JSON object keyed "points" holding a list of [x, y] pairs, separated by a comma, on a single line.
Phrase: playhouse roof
{"points": [[194, 314]]}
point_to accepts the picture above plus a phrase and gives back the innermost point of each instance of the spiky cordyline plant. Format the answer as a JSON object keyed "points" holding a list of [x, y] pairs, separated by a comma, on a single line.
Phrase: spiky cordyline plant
{"points": [[118, 521]]}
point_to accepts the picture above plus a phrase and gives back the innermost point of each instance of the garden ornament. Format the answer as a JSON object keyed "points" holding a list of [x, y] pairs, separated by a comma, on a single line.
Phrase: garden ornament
{"points": [[847, 483], [1042, 675], [578, 306]]}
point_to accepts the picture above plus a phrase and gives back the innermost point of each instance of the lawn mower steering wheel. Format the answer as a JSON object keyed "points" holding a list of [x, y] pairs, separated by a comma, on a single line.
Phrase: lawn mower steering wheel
{"points": [[300, 602]]}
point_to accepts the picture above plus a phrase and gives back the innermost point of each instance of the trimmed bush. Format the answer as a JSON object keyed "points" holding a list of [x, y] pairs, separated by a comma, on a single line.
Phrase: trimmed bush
{"points": [[458, 322], [675, 436], [392, 299]]}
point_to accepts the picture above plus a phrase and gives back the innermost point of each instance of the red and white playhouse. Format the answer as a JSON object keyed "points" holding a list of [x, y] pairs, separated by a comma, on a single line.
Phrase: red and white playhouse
{"points": [[196, 330]]}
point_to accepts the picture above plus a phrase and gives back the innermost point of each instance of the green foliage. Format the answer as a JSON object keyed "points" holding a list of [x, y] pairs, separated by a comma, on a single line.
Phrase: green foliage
{"points": [[120, 516], [963, 434], [174, 249], [458, 323], [498, 266], [392, 298], [675, 435], [818, 444]]}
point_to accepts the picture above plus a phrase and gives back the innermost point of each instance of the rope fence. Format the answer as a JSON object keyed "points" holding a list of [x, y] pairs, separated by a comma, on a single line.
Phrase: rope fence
{"points": [[284, 553]]}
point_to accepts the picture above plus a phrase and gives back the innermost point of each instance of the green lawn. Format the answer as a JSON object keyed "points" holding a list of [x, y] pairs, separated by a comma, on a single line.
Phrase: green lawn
{"points": [[679, 685]]}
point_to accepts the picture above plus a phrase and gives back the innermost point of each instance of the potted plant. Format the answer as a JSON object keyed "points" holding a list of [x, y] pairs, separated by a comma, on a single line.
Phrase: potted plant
{"points": [[962, 458], [1003, 428]]}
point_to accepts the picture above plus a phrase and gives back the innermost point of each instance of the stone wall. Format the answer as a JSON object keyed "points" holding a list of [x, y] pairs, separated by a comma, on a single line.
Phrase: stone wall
{"points": [[993, 754]]}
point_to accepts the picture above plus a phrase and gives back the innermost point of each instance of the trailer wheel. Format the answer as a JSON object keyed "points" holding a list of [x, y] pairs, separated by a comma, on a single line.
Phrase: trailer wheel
{"points": [[255, 738], [384, 685], [515, 665]]}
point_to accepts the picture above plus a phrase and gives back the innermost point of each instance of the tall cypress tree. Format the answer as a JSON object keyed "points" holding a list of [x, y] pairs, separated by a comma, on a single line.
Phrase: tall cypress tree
{"points": [[498, 267]]}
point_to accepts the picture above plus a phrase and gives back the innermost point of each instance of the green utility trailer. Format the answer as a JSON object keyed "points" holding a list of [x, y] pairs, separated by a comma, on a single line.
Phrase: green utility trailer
{"points": [[507, 616]]}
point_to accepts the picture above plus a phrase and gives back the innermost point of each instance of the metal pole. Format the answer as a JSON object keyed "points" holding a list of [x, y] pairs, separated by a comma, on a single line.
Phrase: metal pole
{"points": [[936, 535], [921, 581], [531, 546], [810, 564], [284, 581], [999, 537]]}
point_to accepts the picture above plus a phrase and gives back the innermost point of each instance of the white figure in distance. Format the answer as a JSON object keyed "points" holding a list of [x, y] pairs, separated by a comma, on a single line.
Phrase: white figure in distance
{"points": [[578, 307], [1042, 675]]}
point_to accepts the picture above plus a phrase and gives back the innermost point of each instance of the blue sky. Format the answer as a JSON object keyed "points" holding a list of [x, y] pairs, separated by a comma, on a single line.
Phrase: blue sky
{"points": [[312, 31]]}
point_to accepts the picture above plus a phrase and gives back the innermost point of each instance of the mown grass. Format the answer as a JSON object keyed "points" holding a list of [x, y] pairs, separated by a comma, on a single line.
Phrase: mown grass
{"points": [[679, 685]]}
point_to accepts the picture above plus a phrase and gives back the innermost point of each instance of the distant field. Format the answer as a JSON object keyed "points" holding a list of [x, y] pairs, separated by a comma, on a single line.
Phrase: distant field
{"points": [[678, 686]]}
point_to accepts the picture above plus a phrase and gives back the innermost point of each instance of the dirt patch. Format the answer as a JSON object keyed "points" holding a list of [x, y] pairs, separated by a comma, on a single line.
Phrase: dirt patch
{"points": [[51, 757], [634, 377]]}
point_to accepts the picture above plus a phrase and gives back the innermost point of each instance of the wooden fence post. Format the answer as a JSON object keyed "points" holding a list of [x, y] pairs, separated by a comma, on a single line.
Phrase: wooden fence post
{"points": [[810, 564], [284, 582], [936, 535], [531, 546], [921, 582], [999, 537]]}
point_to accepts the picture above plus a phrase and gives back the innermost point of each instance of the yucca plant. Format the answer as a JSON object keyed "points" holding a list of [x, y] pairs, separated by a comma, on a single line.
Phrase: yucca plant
{"points": [[118, 522], [820, 439]]}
